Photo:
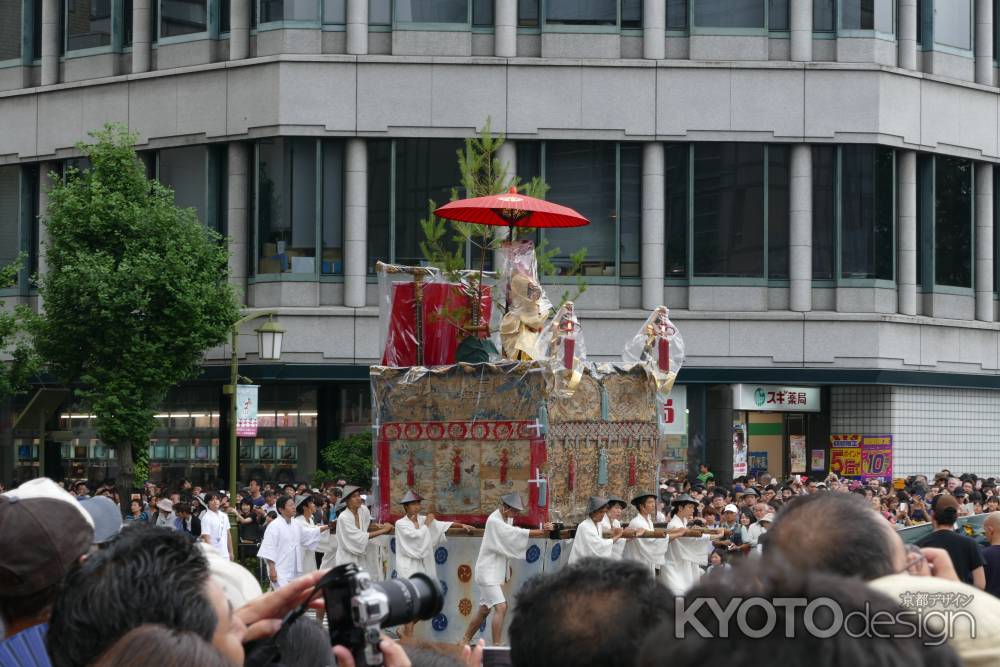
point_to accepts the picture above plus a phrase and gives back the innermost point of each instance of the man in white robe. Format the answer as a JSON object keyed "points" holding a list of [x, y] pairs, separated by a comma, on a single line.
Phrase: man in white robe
{"points": [[648, 551], [353, 525], [281, 543], [305, 508], [502, 541], [589, 540], [686, 552], [612, 520]]}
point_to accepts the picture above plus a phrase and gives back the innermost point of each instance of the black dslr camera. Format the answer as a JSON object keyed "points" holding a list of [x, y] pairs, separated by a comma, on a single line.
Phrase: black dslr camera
{"points": [[357, 607]]}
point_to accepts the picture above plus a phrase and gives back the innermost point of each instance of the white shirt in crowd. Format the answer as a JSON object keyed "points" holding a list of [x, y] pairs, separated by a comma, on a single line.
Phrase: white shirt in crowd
{"points": [[216, 526], [283, 541]]}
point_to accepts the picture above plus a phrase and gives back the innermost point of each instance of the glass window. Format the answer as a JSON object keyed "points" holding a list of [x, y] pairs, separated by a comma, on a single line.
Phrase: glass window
{"points": [[482, 13], [379, 12], [824, 205], [185, 170], [183, 17], [36, 29], [10, 29], [777, 15], [868, 15], [88, 24], [677, 14], [824, 16], [729, 209], [224, 15], [10, 215], [527, 13], [288, 10], [582, 12], [953, 23], [127, 23], [286, 205], [426, 170], [630, 216], [379, 201], [335, 12], [729, 13], [953, 222], [675, 210], [885, 16], [582, 176], [778, 193], [867, 200], [333, 208], [632, 14], [432, 11]]}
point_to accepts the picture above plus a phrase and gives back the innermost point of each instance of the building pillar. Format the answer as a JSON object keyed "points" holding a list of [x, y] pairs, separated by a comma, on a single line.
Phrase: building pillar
{"points": [[237, 216], [505, 29], [653, 168], [801, 23], [906, 241], [51, 34], [141, 35], [984, 241], [507, 154], [984, 42], [800, 229], [239, 28], [357, 27], [654, 29], [906, 56], [355, 223], [44, 183]]}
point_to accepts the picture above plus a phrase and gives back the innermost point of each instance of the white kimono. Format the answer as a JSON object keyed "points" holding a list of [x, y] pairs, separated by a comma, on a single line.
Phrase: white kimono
{"points": [[415, 546], [352, 539], [501, 541], [590, 542], [281, 544], [307, 555], [607, 525], [681, 569], [648, 551]]}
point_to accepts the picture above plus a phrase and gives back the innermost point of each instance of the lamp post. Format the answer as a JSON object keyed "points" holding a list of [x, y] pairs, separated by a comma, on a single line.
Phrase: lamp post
{"points": [[270, 336]]}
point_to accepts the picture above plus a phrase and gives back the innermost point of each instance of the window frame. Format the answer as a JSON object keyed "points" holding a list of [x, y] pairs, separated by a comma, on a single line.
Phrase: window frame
{"points": [[927, 230], [284, 23], [926, 33], [763, 31], [467, 26], [215, 184], [117, 33], [28, 229], [26, 42], [584, 28], [317, 274]]}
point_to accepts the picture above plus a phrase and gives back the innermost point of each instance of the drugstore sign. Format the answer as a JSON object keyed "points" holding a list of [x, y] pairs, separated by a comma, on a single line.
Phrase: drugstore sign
{"points": [[775, 398]]}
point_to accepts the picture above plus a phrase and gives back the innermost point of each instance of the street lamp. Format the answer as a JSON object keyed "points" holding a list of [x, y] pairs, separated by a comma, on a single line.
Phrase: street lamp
{"points": [[269, 339]]}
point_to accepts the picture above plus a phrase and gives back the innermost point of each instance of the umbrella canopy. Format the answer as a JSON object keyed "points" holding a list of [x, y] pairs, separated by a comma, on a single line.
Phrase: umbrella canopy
{"points": [[511, 209]]}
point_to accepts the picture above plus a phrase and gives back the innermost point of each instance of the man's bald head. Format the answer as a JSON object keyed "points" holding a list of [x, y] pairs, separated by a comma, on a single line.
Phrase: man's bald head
{"points": [[991, 526], [836, 533]]}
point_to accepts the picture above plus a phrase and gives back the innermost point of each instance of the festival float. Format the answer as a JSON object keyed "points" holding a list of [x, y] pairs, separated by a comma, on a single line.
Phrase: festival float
{"points": [[485, 388]]}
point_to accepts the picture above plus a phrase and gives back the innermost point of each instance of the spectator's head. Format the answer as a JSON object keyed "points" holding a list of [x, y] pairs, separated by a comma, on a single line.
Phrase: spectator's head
{"points": [[270, 496], [255, 486], [160, 645], [288, 490], [305, 643], [147, 575], [45, 531], [944, 510], [183, 510], [837, 533], [135, 507], [543, 633], [213, 501], [953, 483], [81, 489], [991, 528], [780, 615]]}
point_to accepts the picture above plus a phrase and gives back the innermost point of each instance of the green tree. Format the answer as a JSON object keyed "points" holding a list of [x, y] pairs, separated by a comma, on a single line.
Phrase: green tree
{"points": [[135, 293], [349, 459], [22, 363]]}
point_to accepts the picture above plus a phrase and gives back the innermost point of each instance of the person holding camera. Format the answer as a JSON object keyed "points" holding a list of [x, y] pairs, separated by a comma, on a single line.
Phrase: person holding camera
{"points": [[281, 543], [353, 526], [501, 542]]}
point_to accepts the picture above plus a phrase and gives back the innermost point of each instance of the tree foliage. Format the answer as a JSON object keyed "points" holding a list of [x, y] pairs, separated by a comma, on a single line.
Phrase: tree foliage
{"points": [[349, 459], [22, 363], [135, 293]]}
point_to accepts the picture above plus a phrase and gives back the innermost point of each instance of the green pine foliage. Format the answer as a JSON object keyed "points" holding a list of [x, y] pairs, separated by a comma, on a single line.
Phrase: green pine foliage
{"points": [[22, 364], [135, 293]]}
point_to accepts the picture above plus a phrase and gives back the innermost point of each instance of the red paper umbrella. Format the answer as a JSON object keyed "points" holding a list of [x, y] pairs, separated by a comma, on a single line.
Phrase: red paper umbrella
{"points": [[511, 209]]}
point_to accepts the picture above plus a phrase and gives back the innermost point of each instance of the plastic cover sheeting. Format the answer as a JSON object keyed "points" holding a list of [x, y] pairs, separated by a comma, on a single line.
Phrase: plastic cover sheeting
{"points": [[659, 346], [527, 306], [562, 345], [424, 317]]}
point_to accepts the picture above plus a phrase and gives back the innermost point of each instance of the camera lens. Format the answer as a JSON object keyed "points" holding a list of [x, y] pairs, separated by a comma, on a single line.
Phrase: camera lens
{"points": [[415, 599]]}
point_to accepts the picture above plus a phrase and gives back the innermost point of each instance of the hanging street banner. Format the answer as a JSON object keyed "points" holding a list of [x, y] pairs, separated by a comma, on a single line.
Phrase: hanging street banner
{"points": [[861, 456], [673, 411], [797, 453], [739, 450], [246, 410]]}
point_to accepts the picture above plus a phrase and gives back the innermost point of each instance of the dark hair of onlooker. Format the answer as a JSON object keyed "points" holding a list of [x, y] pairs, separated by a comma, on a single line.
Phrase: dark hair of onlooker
{"points": [[305, 644], [747, 645], [26, 606], [282, 501], [210, 496], [162, 646], [832, 532], [545, 632], [182, 508], [146, 575]]}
